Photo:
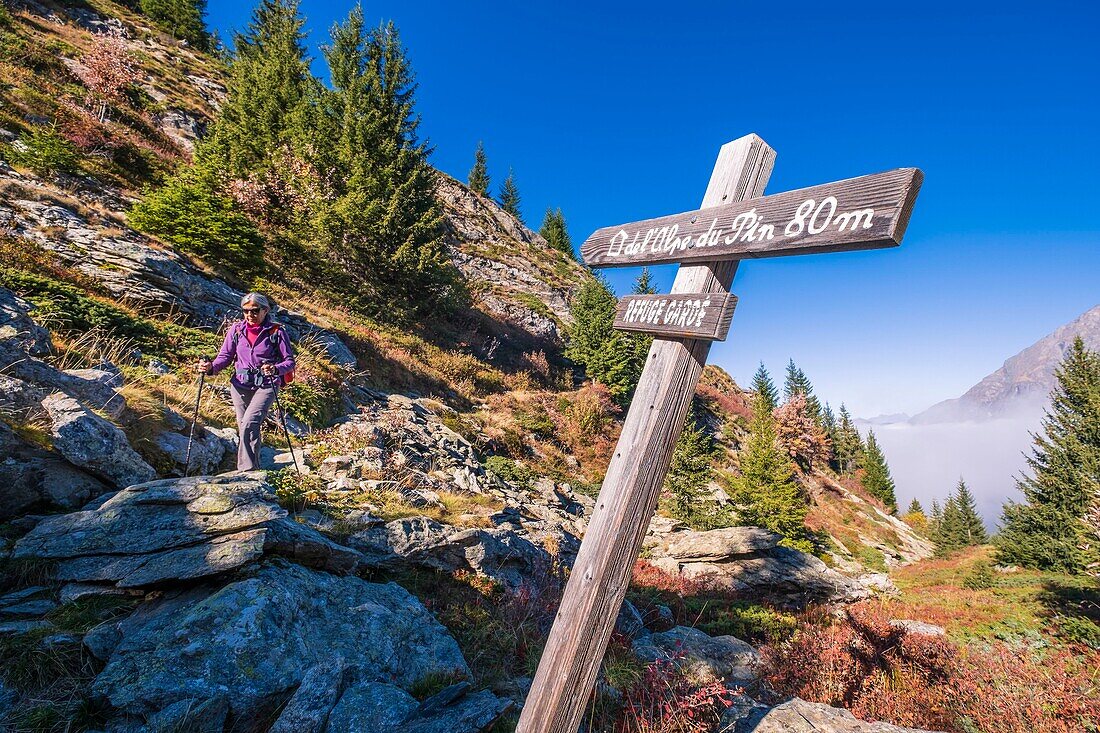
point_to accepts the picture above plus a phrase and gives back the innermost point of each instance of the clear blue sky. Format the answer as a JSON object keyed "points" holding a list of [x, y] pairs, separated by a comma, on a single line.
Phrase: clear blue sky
{"points": [[615, 111]]}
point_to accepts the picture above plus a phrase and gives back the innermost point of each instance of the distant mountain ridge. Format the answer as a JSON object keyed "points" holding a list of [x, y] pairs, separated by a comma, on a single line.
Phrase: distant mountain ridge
{"points": [[1022, 385]]}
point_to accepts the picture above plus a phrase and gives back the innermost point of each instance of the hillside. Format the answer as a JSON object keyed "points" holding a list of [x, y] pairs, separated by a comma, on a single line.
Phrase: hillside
{"points": [[406, 580]]}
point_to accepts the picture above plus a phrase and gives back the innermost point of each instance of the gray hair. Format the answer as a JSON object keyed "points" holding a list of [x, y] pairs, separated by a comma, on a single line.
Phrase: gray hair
{"points": [[258, 299]]}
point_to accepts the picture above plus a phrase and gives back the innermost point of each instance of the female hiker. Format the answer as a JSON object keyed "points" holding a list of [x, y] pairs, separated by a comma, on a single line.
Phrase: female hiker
{"points": [[263, 356]]}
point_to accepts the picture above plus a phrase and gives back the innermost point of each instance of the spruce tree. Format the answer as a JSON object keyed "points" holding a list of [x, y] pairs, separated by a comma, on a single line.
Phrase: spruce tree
{"points": [[689, 473], [876, 477], [972, 529], [182, 18], [555, 232], [849, 445], [915, 507], [797, 382], [608, 356], [268, 87], [479, 174], [643, 284], [831, 429], [384, 224], [509, 196], [765, 389], [1049, 531], [950, 532], [640, 342], [765, 493]]}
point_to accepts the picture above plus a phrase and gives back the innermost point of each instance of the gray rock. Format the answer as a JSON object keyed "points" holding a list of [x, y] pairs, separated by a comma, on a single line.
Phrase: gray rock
{"points": [[382, 708], [255, 637], [102, 640], [307, 546], [193, 716], [918, 627], [90, 442], [98, 388], [371, 706], [719, 544], [629, 622], [18, 331], [75, 591], [798, 716], [308, 709], [208, 450], [35, 608], [703, 658]]}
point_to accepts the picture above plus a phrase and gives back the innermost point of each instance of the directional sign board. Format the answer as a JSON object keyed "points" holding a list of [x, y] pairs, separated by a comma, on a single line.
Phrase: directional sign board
{"points": [[860, 213], [684, 315]]}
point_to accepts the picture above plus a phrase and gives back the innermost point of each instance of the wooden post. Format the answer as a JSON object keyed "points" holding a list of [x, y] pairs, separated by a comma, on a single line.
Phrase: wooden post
{"points": [[601, 573]]}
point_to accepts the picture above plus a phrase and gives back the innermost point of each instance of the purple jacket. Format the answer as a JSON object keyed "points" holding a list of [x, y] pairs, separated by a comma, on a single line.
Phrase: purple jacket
{"points": [[271, 347]]}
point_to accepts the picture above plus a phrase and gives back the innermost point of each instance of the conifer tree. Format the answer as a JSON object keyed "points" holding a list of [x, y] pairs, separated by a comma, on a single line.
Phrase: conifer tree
{"points": [[936, 517], [182, 18], [555, 232], [915, 507], [640, 342], [607, 355], [509, 196], [849, 445], [915, 517], [950, 532], [384, 223], [1049, 531], [797, 382], [269, 84], [643, 284], [479, 174], [876, 477], [832, 432], [765, 492], [972, 530], [765, 389], [689, 474]]}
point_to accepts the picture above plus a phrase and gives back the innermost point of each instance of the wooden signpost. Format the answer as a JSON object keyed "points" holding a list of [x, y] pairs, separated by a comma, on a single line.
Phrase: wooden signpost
{"points": [[733, 223]]}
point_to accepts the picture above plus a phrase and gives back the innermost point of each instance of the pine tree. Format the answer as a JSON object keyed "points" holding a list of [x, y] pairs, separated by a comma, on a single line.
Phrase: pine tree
{"points": [[950, 533], [607, 355], [915, 517], [643, 285], [972, 529], [1050, 530], [798, 383], [554, 231], [384, 224], [914, 507], [182, 18], [876, 477], [689, 474], [765, 389], [479, 174], [268, 88], [509, 196], [765, 492], [849, 445], [832, 432]]}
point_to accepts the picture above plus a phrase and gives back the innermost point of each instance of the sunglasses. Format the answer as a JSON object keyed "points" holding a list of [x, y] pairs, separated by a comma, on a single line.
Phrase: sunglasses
{"points": [[253, 310]]}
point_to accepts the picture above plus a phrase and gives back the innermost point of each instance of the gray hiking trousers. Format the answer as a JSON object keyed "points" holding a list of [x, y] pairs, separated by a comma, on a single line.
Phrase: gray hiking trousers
{"points": [[251, 405]]}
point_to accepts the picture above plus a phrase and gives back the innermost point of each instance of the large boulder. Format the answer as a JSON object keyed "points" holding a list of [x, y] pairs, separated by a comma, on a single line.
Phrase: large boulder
{"points": [[32, 478], [254, 639], [702, 658], [90, 442], [713, 545], [798, 716], [18, 331]]}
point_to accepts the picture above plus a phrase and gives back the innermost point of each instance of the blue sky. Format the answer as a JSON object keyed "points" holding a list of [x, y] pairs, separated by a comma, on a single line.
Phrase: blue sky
{"points": [[615, 111]]}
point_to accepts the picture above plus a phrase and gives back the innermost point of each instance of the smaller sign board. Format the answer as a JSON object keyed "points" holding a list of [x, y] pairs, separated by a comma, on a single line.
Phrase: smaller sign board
{"points": [[704, 316]]}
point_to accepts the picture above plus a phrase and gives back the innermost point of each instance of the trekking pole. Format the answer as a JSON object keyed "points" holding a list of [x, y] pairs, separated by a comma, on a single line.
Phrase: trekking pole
{"points": [[191, 435], [286, 431]]}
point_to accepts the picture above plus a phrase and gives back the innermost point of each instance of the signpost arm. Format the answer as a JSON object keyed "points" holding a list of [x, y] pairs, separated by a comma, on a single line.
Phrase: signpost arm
{"points": [[601, 573]]}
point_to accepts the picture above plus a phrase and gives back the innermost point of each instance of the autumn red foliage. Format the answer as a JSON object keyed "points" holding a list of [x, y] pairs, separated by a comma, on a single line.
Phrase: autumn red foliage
{"points": [[799, 434], [881, 672], [107, 70], [663, 700]]}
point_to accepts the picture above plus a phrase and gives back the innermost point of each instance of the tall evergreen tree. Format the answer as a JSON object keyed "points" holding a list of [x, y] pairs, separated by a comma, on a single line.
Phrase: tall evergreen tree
{"points": [[384, 224], [479, 174], [509, 195], [555, 232], [876, 477], [973, 530], [915, 507], [689, 473], [950, 532], [848, 447], [765, 492], [182, 18], [765, 389], [269, 84], [831, 429], [607, 355], [1049, 531], [797, 382], [643, 284]]}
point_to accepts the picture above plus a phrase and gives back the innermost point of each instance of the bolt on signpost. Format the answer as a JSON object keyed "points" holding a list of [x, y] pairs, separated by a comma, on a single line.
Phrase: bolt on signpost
{"points": [[735, 222]]}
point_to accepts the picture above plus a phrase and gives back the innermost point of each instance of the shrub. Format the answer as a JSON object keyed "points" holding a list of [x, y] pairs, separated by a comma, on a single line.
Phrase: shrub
{"points": [[193, 214], [664, 701], [979, 577], [312, 399], [296, 491], [1079, 630], [536, 421], [45, 151], [510, 471]]}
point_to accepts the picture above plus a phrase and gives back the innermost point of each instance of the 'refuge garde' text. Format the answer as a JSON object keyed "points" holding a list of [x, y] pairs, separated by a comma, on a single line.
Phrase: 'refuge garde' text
{"points": [[680, 312]]}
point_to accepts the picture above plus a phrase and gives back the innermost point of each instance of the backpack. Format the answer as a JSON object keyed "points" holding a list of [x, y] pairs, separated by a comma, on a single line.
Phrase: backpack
{"points": [[273, 337]]}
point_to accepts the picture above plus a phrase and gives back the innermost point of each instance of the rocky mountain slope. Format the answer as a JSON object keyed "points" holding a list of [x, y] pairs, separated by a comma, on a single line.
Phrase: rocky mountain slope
{"points": [[1022, 385]]}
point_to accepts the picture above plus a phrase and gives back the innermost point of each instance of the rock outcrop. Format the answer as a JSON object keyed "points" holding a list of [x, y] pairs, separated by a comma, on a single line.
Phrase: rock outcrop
{"points": [[798, 716]]}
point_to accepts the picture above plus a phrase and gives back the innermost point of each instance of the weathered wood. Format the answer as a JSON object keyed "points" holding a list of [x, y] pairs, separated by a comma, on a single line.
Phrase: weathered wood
{"points": [[860, 213], [690, 315], [633, 481]]}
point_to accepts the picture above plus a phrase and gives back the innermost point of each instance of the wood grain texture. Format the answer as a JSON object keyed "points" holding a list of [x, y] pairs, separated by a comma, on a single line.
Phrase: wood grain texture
{"points": [[687, 315], [634, 478], [860, 213]]}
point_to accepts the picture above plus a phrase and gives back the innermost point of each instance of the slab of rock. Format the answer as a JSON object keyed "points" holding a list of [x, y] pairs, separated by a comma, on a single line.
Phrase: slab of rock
{"points": [[90, 442], [382, 708], [918, 627], [308, 709], [717, 545], [703, 658], [254, 639], [798, 716]]}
